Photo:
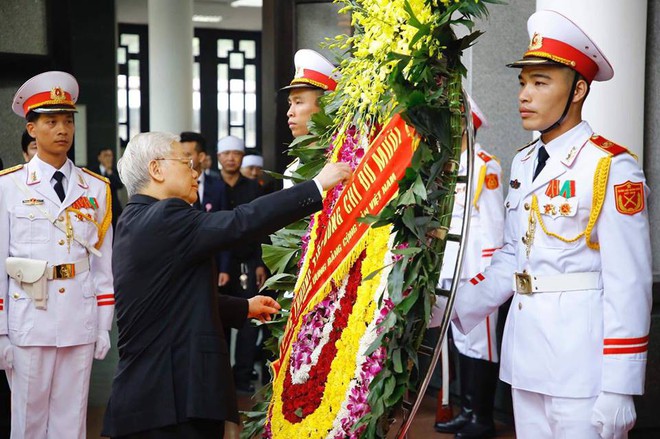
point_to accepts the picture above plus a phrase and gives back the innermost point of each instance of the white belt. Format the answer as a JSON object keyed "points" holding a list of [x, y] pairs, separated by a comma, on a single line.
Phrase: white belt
{"points": [[526, 283], [67, 271]]}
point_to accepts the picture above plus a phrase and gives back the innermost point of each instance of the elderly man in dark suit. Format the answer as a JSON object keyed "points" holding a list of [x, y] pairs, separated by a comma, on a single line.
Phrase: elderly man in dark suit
{"points": [[174, 379]]}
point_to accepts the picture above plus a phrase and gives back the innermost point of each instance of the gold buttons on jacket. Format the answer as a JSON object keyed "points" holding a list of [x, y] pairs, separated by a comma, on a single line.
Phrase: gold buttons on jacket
{"points": [[526, 206], [508, 204], [61, 218], [16, 295], [519, 305], [60, 242], [61, 290], [31, 216]]}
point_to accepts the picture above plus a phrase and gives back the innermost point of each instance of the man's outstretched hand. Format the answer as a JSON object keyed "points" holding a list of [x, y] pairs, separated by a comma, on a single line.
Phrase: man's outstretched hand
{"points": [[261, 308], [334, 173]]}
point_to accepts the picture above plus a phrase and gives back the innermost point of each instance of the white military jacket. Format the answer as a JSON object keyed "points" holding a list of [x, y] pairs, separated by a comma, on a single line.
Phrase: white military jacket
{"points": [[485, 237], [585, 328], [77, 307]]}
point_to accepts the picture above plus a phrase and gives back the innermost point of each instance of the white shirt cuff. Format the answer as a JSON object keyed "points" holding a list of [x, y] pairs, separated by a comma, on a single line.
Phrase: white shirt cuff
{"points": [[318, 186]]}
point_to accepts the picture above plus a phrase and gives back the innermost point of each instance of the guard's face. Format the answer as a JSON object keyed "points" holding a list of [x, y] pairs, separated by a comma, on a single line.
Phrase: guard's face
{"points": [[303, 102], [230, 161], [543, 94], [53, 133], [179, 178]]}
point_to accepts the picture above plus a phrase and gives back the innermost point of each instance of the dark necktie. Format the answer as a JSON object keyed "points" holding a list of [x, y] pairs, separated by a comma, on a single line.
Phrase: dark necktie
{"points": [[541, 159], [59, 187]]}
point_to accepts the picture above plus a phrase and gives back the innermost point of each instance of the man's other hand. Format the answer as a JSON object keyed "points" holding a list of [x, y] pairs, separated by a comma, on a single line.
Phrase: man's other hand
{"points": [[102, 344], [261, 276], [334, 173], [613, 415], [223, 279], [261, 308], [6, 353]]}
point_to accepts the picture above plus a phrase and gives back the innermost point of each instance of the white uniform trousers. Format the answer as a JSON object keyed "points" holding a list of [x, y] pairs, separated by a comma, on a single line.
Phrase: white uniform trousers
{"points": [[49, 388], [539, 416]]}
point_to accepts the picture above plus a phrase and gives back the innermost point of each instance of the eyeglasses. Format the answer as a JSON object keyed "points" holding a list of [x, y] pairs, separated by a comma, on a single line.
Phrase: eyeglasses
{"points": [[188, 162]]}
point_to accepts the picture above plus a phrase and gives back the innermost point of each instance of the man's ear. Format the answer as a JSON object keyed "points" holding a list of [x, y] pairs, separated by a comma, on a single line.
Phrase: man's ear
{"points": [[155, 171], [581, 90], [31, 128]]}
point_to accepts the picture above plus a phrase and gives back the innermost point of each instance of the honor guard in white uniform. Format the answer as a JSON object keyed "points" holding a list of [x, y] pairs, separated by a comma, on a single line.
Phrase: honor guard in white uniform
{"points": [[478, 356], [576, 254], [314, 76], [56, 294]]}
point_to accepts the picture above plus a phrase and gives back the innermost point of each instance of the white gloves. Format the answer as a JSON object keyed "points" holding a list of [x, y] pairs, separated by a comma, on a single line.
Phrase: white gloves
{"points": [[6, 353], [613, 415], [438, 311], [102, 344]]}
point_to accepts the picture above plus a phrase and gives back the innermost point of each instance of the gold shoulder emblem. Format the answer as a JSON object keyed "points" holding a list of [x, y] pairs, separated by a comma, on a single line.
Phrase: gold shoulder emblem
{"points": [[10, 170], [94, 174]]}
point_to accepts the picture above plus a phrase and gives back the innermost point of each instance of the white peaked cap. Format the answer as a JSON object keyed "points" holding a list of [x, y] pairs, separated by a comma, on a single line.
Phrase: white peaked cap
{"points": [[48, 92], [556, 39], [313, 70]]}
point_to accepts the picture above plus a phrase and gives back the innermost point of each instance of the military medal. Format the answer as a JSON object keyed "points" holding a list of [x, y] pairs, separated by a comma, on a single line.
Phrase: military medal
{"points": [[33, 202]]}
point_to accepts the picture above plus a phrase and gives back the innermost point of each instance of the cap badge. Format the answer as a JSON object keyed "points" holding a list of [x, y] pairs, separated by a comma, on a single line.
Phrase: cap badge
{"points": [[57, 94], [536, 43], [300, 72]]}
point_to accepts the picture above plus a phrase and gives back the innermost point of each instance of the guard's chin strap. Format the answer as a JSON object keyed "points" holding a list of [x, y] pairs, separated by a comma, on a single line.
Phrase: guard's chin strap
{"points": [[568, 105]]}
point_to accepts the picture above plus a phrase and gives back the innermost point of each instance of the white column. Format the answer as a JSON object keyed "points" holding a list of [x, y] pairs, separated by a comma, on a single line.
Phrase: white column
{"points": [[170, 65], [615, 108]]}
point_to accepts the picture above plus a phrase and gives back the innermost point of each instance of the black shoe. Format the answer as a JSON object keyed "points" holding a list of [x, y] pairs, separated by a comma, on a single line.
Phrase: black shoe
{"points": [[477, 429], [245, 389], [454, 425]]}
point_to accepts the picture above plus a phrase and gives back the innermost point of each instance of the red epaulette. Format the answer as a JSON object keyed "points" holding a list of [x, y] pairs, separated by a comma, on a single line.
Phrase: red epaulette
{"points": [[485, 157], [607, 145]]}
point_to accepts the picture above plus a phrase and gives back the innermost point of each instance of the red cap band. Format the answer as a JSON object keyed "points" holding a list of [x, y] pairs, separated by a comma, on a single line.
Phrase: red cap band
{"points": [[317, 79], [566, 54], [47, 98]]}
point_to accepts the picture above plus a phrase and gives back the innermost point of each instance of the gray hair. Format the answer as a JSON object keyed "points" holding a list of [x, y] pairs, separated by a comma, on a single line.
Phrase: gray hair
{"points": [[133, 167]]}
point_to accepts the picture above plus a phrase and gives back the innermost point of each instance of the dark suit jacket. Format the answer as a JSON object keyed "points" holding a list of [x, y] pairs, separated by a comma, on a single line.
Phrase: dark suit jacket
{"points": [[214, 199], [173, 358]]}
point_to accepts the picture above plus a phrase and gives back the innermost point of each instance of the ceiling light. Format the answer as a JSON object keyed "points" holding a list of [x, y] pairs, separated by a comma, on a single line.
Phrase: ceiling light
{"points": [[207, 18], [247, 3]]}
